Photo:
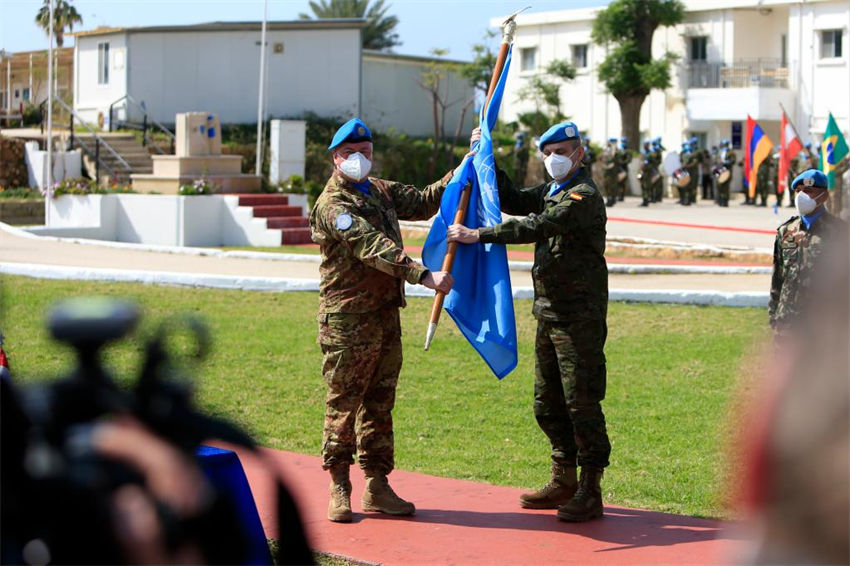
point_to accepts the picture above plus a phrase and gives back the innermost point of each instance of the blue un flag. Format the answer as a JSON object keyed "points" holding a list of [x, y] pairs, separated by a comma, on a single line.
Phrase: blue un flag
{"points": [[481, 302]]}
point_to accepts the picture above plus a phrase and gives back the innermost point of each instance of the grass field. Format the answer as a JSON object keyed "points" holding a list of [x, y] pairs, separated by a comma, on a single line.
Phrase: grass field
{"points": [[672, 373]]}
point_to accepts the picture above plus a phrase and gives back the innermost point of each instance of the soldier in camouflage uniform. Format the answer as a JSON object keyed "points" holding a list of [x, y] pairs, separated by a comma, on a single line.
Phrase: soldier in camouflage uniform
{"points": [[609, 172], [799, 247], [623, 157], [691, 160], [657, 158], [645, 174], [363, 272], [765, 179], [727, 159], [566, 220]]}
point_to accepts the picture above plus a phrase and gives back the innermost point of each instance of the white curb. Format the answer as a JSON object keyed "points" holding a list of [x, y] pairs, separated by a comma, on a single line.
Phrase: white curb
{"points": [[284, 285]]}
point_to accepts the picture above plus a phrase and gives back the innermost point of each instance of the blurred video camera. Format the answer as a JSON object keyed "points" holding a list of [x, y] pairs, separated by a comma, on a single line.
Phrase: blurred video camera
{"points": [[59, 489]]}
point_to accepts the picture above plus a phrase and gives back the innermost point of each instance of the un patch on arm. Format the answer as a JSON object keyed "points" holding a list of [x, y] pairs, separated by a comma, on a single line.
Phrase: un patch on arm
{"points": [[343, 222]]}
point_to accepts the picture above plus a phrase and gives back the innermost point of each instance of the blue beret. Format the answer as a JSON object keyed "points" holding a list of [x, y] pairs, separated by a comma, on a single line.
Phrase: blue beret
{"points": [[352, 131], [810, 178], [559, 132], [612, 140], [624, 139], [808, 145]]}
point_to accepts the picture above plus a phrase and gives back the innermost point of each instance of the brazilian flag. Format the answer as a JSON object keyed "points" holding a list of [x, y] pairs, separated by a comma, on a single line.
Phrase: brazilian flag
{"points": [[833, 150]]}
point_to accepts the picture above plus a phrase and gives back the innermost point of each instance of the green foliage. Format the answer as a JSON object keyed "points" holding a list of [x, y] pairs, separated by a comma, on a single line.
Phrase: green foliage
{"points": [[199, 187], [83, 186], [544, 89], [64, 16], [629, 67], [479, 72], [667, 408], [296, 184], [379, 32], [20, 193], [31, 115]]}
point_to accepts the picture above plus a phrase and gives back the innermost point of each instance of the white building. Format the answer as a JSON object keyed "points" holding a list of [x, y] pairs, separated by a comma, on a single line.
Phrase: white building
{"points": [[736, 57], [314, 66]]}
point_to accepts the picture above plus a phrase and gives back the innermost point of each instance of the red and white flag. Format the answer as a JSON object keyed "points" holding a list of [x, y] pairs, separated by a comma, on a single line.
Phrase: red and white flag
{"points": [[790, 146]]}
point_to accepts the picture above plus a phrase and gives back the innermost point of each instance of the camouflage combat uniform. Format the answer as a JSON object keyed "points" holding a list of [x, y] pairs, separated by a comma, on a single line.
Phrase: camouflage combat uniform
{"points": [[691, 161], [623, 157], [658, 185], [765, 179], [570, 303], [728, 160], [646, 170], [609, 176], [363, 271], [797, 252]]}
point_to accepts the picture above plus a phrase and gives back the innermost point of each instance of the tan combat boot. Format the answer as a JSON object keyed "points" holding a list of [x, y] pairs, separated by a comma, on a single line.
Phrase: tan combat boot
{"points": [[379, 496], [557, 491], [339, 508], [586, 504]]}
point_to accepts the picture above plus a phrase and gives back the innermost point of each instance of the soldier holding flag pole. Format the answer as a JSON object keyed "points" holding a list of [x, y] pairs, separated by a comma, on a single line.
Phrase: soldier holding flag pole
{"points": [[566, 220]]}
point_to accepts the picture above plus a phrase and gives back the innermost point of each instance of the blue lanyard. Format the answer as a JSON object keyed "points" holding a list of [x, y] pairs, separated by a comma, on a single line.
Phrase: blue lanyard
{"points": [[555, 190], [362, 186], [810, 219]]}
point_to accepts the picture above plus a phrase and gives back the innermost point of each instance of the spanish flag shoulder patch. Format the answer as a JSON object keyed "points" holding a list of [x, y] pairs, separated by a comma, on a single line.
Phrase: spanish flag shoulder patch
{"points": [[575, 196]]}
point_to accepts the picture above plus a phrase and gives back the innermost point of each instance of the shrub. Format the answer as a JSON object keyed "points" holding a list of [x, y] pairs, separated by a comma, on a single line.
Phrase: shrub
{"points": [[19, 193], [201, 186]]}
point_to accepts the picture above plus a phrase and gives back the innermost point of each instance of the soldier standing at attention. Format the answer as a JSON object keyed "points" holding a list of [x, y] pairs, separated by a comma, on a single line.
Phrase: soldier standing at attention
{"points": [[363, 272], [764, 176], [609, 172], [623, 158], [690, 163], [799, 248], [566, 220], [657, 159], [645, 174], [727, 158]]}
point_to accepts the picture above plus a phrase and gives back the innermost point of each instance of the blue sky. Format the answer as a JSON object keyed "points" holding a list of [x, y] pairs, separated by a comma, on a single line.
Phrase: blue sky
{"points": [[423, 24]]}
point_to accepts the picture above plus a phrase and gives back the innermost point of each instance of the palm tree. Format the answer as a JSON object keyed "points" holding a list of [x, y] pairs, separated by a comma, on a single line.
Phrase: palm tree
{"points": [[64, 16], [379, 32]]}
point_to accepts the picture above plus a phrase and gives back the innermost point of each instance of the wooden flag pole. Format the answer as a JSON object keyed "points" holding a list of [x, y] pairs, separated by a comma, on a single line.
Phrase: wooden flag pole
{"points": [[508, 29]]}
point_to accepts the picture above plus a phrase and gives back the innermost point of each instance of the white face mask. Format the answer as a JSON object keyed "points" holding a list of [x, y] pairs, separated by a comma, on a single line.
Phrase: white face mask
{"points": [[356, 166], [557, 165], [804, 203]]}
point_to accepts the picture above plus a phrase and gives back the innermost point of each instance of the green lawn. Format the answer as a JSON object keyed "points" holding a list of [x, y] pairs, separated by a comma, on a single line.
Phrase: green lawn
{"points": [[671, 374]]}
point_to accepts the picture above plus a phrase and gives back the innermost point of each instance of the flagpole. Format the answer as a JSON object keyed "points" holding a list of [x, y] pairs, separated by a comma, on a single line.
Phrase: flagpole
{"points": [[49, 175], [508, 30]]}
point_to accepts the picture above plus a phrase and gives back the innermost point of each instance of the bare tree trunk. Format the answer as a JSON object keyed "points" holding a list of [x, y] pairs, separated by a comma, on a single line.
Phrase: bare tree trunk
{"points": [[630, 105], [459, 127]]}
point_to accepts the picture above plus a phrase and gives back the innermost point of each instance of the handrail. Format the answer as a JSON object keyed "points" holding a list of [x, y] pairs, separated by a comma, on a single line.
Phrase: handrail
{"points": [[145, 121], [98, 140]]}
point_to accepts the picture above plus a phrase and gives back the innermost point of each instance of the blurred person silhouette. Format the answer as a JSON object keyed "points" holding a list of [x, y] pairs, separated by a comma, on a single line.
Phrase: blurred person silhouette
{"points": [[796, 486]]}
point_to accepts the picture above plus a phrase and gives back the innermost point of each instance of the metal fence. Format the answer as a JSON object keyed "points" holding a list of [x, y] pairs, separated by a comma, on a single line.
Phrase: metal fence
{"points": [[769, 73]]}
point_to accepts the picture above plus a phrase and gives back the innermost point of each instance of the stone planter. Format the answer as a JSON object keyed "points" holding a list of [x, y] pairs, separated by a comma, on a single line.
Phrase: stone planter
{"points": [[21, 212]]}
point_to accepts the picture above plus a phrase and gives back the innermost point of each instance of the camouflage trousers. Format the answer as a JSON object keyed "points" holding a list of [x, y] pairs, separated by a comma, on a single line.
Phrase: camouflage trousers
{"points": [[609, 185], [361, 360], [723, 190], [570, 379], [646, 187]]}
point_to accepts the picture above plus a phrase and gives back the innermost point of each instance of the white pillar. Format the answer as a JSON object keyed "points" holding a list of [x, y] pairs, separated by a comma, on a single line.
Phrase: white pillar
{"points": [[9, 85], [287, 149]]}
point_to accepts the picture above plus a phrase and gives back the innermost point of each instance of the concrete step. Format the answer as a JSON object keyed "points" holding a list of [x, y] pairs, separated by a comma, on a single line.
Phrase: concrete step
{"points": [[271, 211], [267, 199], [295, 236], [288, 222]]}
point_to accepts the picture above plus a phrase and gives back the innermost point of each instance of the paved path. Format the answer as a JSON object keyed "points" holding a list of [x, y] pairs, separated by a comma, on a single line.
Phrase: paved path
{"points": [[16, 249], [466, 523]]}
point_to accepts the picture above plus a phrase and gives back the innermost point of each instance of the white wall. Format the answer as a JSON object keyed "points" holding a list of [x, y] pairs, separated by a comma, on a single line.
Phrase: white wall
{"points": [[218, 71], [823, 84], [736, 30], [89, 96], [392, 97]]}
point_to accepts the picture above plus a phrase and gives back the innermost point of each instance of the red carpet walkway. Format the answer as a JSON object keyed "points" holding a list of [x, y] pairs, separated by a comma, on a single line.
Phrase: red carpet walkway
{"points": [[467, 523]]}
